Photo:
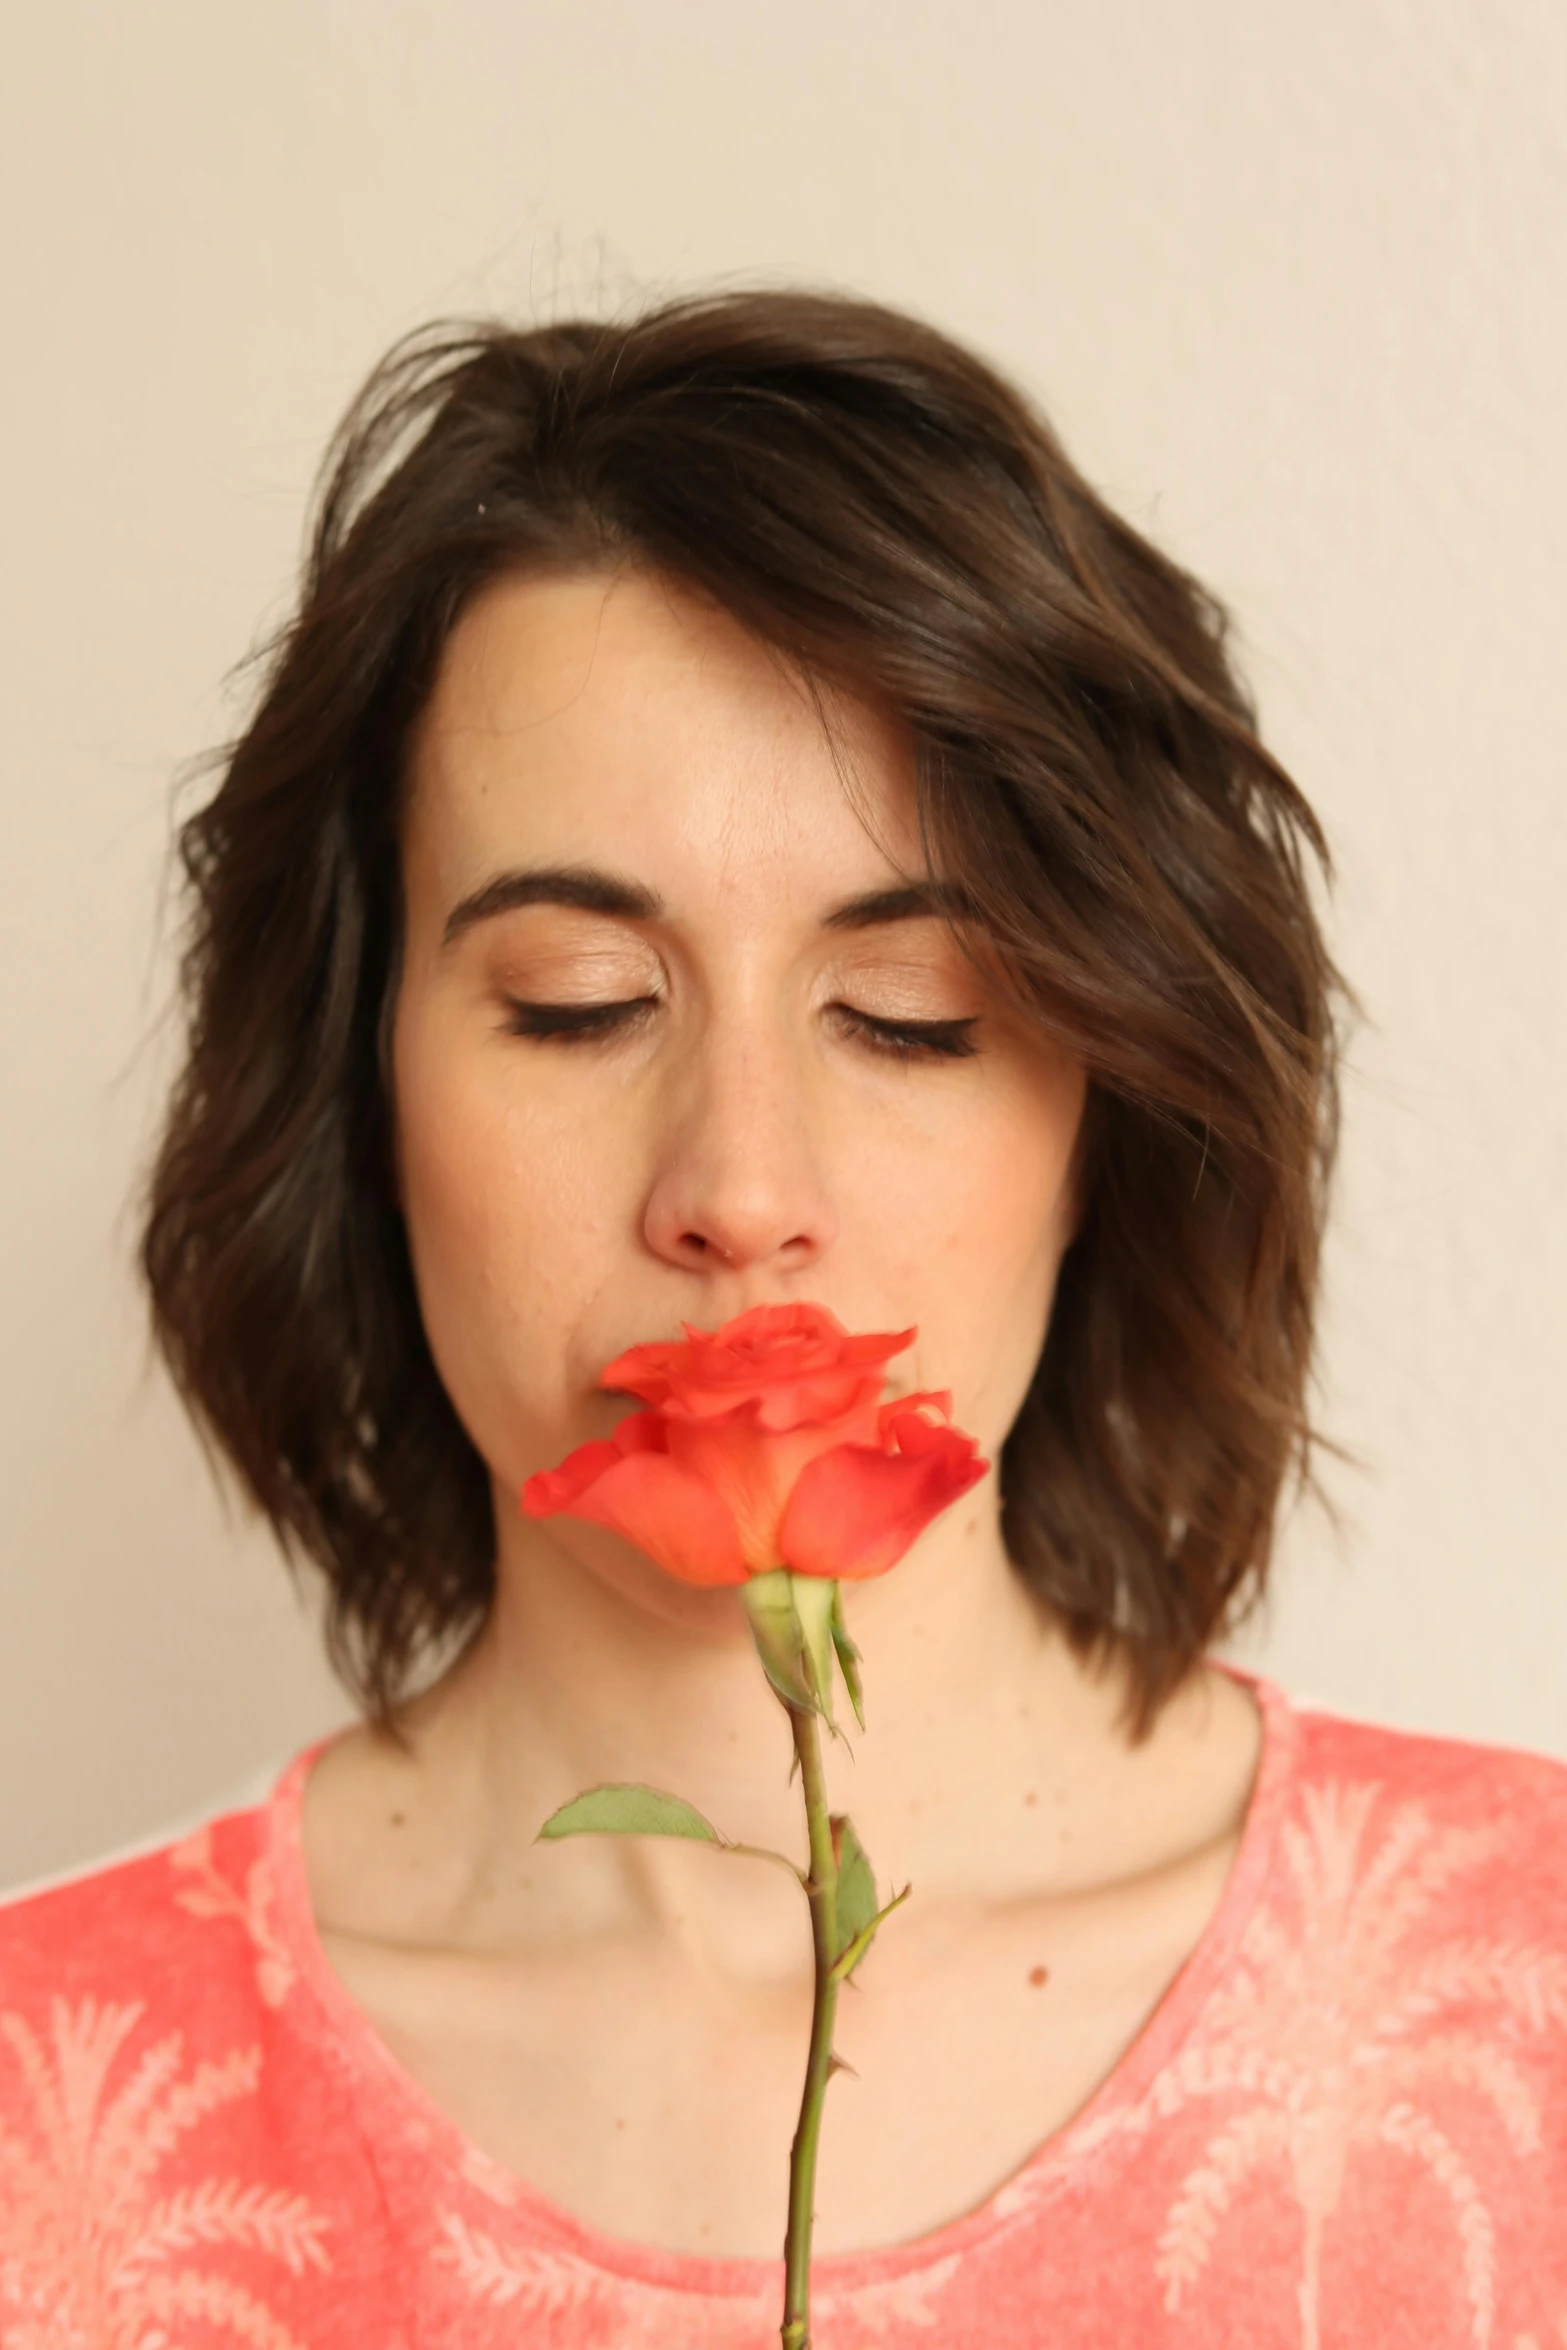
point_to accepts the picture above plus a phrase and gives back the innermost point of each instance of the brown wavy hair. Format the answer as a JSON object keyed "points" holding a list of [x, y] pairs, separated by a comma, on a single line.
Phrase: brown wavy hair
{"points": [[890, 514]]}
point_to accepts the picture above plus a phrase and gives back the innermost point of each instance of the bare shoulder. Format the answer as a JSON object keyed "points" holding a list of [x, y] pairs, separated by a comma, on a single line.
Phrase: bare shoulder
{"points": [[1187, 1787], [1214, 1728], [374, 1830]]}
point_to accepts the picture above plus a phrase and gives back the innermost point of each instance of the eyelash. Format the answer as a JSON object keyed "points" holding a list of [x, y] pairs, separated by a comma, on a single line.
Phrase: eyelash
{"points": [[903, 1040]]}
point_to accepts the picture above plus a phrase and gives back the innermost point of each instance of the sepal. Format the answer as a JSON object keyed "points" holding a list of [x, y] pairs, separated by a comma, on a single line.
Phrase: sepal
{"points": [[814, 1600], [848, 1656], [780, 1636], [797, 1624]]}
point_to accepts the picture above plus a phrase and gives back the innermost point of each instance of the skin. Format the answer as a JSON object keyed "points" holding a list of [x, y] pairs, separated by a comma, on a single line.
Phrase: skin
{"points": [[623, 2021]]}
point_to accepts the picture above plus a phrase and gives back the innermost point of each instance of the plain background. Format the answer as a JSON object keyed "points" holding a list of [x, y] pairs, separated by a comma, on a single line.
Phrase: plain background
{"points": [[1290, 280]]}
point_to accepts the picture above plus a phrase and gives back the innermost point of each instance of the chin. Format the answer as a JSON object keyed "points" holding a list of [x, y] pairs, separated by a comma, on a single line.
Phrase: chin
{"points": [[684, 1607], [585, 1553]]}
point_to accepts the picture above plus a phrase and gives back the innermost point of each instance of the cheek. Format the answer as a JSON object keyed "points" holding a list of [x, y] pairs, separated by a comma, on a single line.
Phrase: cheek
{"points": [[992, 1189], [458, 1159], [494, 1207], [1037, 1170], [471, 1154], [990, 1217]]}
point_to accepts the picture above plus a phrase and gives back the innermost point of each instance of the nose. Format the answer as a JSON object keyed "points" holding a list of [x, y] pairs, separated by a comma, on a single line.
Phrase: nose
{"points": [[740, 1181]]}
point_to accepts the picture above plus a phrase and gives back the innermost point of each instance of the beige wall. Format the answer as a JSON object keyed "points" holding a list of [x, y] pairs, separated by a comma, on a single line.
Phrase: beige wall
{"points": [[1290, 278]]}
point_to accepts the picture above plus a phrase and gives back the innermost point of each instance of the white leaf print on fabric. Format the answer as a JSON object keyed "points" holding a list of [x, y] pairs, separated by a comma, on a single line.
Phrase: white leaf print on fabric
{"points": [[89, 2250], [900, 2301], [555, 2283], [648, 2317], [545, 2282], [212, 1896], [1321, 2043], [492, 2179]]}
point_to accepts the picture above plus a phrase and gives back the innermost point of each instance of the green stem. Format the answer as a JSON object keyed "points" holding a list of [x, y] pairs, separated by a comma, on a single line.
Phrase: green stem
{"points": [[822, 1892]]}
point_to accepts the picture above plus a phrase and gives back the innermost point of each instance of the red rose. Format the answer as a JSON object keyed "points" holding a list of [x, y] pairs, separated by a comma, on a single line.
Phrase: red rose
{"points": [[764, 1446]]}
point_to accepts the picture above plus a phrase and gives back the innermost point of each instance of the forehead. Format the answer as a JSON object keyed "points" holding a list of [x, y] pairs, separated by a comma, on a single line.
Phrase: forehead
{"points": [[621, 709]]}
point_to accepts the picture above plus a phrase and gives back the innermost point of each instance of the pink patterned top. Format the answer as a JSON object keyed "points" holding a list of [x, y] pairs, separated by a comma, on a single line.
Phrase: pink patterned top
{"points": [[1346, 2122]]}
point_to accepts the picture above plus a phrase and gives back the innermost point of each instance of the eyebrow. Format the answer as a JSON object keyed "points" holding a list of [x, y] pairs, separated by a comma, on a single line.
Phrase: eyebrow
{"points": [[593, 891]]}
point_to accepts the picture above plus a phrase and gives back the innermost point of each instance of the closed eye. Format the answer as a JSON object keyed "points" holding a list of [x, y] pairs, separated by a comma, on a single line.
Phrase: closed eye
{"points": [[565, 1022], [902, 1039], [945, 1040]]}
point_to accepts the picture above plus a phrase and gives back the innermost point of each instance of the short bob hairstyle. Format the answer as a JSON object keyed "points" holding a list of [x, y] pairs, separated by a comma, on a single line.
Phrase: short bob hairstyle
{"points": [[897, 522]]}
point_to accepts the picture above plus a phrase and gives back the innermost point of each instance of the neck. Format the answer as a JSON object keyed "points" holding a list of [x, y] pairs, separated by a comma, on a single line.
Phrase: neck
{"points": [[975, 1705]]}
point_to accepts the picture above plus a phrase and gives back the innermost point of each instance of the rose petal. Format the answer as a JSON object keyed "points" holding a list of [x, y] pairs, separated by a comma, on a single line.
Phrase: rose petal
{"points": [[798, 1361], [940, 1398], [765, 1444], [679, 1522], [750, 1474], [752, 1470], [554, 1490], [826, 1395], [855, 1510]]}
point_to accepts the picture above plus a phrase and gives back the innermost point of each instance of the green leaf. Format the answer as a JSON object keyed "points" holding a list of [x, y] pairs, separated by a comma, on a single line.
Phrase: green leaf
{"points": [[629, 1811], [848, 1655], [857, 1900]]}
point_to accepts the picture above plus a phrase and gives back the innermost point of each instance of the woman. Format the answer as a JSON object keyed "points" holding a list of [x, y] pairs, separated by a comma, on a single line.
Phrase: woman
{"points": [[737, 822]]}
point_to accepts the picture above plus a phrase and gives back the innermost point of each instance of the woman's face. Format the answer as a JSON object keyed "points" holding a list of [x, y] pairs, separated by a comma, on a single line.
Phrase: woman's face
{"points": [[721, 1125]]}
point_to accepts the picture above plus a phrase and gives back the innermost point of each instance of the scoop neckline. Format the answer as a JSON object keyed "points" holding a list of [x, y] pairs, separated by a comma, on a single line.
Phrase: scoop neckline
{"points": [[1061, 2162]]}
